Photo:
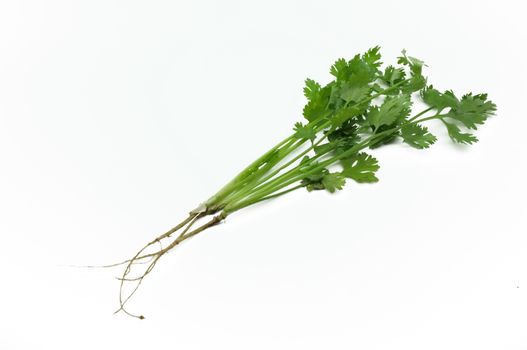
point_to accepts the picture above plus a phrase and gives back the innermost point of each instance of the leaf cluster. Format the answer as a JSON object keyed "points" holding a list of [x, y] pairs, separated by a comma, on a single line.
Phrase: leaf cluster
{"points": [[366, 106]]}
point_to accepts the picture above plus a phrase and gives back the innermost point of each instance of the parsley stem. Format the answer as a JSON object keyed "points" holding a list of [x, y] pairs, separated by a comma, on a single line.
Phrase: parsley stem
{"points": [[294, 174], [250, 175], [275, 195], [286, 165], [257, 183], [255, 177], [234, 183], [420, 114]]}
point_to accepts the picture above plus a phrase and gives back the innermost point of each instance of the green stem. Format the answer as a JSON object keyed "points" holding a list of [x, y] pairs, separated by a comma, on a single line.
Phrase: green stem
{"points": [[265, 178], [274, 195], [250, 192], [234, 183], [295, 175], [255, 177], [420, 114], [250, 174]]}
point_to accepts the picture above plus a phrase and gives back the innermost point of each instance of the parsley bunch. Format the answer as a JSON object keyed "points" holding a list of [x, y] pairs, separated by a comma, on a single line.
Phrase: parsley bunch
{"points": [[364, 107]]}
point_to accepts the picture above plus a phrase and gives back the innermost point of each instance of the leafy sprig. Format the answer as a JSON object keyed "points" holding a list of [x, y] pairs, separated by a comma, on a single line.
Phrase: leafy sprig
{"points": [[343, 121], [364, 107]]}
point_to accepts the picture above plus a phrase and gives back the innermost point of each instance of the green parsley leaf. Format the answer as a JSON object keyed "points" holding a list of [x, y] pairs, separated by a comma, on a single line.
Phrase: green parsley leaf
{"points": [[313, 182], [459, 137], [304, 132], [317, 107], [361, 73], [472, 110], [415, 83], [393, 108], [392, 75], [354, 93], [415, 64], [372, 57], [311, 89], [360, 167], [347, 130], [343, 138], [340, 69], [333, 182], [345, 114], [417, 136], [438, 100]]}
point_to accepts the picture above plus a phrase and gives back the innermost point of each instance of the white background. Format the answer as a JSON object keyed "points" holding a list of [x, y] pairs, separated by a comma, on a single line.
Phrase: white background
{"points": [[117, 117]]}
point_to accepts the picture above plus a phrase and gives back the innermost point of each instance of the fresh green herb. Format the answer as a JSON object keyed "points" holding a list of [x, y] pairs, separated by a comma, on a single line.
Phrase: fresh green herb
{"points": [[364, 107]]}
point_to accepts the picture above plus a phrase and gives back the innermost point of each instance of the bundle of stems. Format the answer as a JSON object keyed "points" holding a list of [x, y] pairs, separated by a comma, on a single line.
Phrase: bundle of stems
{"points": [[364, 107]]}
